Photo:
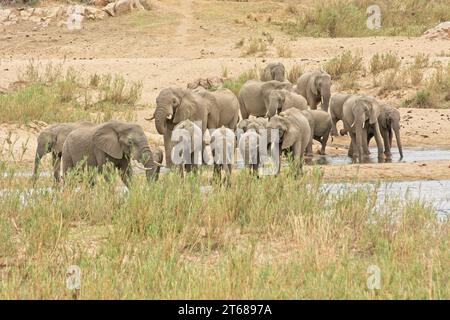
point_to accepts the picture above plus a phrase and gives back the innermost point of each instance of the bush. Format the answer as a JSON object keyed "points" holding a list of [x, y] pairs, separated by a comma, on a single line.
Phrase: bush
{"points": [[294, 73], [384, 61], [344, 63], [236, 83]]}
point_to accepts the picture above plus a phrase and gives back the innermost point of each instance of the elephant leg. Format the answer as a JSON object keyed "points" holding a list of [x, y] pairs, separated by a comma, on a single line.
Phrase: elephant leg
{"points": [[378, 141], [387, 145], [353, 150], [350, 149], [168, 148], [244, 112], [365, 144], [334, 131], [324, 142], [56, 162]]}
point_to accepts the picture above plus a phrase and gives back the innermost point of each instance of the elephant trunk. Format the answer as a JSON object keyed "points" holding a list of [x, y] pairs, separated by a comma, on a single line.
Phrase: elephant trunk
{"points": [[326, 100], [40, 152], [399, 142], [152, 168], [161, 115]]}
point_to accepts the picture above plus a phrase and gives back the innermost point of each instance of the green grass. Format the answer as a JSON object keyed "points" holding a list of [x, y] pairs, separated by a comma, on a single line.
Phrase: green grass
{"points": [[332, 18], [49, 94], [235, 84], [281, 238]]}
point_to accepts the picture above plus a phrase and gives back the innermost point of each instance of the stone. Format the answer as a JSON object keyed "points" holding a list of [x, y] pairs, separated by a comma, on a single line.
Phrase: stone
{"points": [[109, 9], [441, 31]]}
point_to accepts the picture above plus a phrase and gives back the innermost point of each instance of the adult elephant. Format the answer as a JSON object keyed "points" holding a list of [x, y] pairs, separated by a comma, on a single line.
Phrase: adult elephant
{"points": [[315, 87], [113, 142], [294, 134], [274, 71], [389, 122], [52, 139], [211, 110], [254, 96], [336, 109], [281, 100], [360, 113]]}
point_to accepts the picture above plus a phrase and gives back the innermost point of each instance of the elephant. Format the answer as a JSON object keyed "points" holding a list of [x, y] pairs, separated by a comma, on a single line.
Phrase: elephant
{"points": [[113, 142], [222, 148], [320, 124], [294, 134], [360, 112], [212, 109], [250, 142], [315, 87], [52, 140], [336, 105], [256, 123], [389, 122], [254, 96], [187, 150], [274, 71], [281, 100]]}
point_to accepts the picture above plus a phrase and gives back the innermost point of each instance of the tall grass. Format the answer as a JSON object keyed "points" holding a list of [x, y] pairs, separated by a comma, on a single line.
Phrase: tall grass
{"points": [[50, 94], [235, 84], [347, 18], [281, 238]]}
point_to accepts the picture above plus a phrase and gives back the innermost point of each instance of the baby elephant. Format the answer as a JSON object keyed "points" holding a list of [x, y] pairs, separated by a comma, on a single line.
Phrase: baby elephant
{"points": [[294, 134], [223, 141], [389, 122], [259, 122], [274, 71], [282, 99], [187, 141], [52, 140], [320, 124], [113, 142], [250, 143]]}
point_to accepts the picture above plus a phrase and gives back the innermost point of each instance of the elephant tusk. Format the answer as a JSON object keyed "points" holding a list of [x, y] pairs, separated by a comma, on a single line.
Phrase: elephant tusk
{"points": [[150, 119], [169, 117]]}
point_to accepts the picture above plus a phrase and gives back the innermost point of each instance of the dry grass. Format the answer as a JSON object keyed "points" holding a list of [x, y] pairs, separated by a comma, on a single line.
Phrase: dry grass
{"points": [[384, 61], [50, 94], [235, 84], [295, 72], [344, 64], [284, 51], [152, 242]]}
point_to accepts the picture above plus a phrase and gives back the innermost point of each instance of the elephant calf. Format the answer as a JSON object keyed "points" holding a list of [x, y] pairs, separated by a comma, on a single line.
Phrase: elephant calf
{"points": [[294, 134], [187, 151], [320, 124], [336, 111], [274, 71], [282, 99], [222, 144], [250, 142], [113, 142], [389, 122], [52, 140], [315, 87]]}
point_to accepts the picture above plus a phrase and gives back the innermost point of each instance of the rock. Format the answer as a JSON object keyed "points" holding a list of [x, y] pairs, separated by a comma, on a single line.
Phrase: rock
{"points": [[441, 31], [4, 14], [146, 4], [109, 9], [100, 3], [95, 14]]}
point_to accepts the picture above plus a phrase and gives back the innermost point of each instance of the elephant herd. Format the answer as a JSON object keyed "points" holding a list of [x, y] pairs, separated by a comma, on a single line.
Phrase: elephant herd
{"points": [[268, 114]]}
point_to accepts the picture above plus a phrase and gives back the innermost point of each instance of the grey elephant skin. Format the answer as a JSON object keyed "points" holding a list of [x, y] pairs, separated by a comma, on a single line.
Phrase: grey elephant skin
{"points": [[389, 122], [212, 109], [320, 124], [250, 142], [360, 113], [254, 96], [274, 71], [294, 133], [336, 111], [187, 139], [222, 144], [52, 139], [315, 87], [113, 142], [281, 100]]}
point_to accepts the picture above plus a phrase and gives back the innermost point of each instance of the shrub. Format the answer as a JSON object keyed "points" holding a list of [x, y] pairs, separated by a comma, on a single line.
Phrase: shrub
{"points": [[236, 83], [384, 61], [344, 63], [284, 51], [294, 73]]}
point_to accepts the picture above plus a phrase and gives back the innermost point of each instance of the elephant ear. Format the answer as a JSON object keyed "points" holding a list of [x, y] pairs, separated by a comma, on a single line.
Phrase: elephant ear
{"points": [[290, 135], [106, 139], [185, 109], [374, 111], [314, 83]]}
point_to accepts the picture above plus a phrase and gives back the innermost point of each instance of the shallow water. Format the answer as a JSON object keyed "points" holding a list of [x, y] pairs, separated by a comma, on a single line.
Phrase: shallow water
{"points": [[409, 155]]}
